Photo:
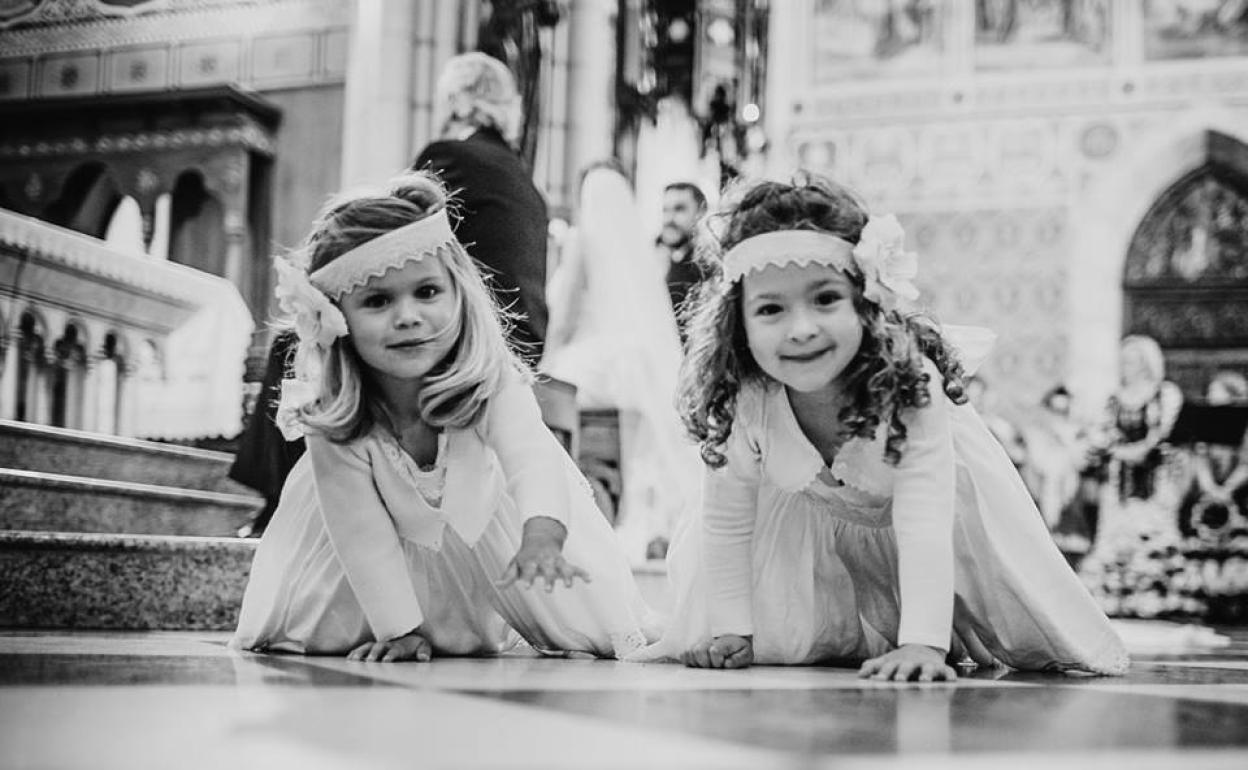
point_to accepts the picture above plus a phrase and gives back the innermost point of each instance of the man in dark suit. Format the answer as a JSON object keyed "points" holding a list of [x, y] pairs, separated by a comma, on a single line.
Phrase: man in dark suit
{"points": [[683, 205], [503, 216]]}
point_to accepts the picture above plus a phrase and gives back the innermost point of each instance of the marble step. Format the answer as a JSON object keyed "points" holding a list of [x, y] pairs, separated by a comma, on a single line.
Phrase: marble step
{"points": [[29, 447], [94, 581], [79, 580], [52, 502]]}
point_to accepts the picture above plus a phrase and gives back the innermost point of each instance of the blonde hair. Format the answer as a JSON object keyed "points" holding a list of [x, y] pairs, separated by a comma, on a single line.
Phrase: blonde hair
{"points": [[478, 90], [455, 392]]}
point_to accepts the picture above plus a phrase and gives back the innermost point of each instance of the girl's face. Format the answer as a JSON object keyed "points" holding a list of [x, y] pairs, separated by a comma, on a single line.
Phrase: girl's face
{"points": [[801, 323], [394, 319]]}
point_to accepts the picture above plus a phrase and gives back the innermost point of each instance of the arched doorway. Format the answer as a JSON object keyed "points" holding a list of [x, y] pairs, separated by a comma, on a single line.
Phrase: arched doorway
{"points": [[1186, 278], [197, 232], [87, 201]]}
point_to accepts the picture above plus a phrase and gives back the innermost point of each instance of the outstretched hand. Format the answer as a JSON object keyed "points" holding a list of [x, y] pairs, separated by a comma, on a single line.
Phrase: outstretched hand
{"points": [[541, 556], [727, 651], [411, 646], [910, 662]]}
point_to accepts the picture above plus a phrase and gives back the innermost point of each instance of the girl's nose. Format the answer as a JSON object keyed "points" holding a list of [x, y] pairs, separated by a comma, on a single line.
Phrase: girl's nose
{"points": [[802, 327], [406, 313]]}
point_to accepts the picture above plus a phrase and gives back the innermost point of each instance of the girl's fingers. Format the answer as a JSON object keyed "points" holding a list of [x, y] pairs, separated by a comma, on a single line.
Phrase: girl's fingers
{"points": [[571, 572], [740, 658], [528, 573], [698, 657], [885, 671], [716, 656], [908, 671], [509, 577]]}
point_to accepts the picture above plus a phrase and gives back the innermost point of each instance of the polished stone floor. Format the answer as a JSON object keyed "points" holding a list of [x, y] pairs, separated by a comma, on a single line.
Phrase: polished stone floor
{"points": [[182, 700]]}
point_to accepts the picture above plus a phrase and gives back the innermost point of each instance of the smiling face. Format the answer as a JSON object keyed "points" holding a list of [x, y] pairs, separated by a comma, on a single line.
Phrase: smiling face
{"points": [[801, 324], [395, 320]]}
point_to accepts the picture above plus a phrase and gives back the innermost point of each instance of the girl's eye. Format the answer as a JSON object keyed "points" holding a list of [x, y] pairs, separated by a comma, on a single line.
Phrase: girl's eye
{"points": [[375, 301], [428, 291], [768, 309], [825, 298]]}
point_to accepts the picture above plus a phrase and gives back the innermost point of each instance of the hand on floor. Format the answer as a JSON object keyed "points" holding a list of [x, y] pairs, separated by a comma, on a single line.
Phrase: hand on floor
{"points": [[541, 556], [910, 662], [727, 651], [412, 646]]}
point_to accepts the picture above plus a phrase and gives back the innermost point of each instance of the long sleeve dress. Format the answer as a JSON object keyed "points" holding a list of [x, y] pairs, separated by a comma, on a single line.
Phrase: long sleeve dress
{"points": [[365, 545], [844, 562]]}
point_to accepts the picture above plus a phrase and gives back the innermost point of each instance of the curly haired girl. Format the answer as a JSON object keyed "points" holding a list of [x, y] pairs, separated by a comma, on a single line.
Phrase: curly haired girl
{"points": [[856, 508]]}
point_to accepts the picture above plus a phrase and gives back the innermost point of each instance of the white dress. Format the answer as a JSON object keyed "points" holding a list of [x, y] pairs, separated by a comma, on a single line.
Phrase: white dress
{"points": [[367, 546], [613, 334], [842, 563]]}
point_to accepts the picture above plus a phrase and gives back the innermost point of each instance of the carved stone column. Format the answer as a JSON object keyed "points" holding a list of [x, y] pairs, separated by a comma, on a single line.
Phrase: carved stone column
{"points": [[377, 120], [8, 379], [127, 398]]}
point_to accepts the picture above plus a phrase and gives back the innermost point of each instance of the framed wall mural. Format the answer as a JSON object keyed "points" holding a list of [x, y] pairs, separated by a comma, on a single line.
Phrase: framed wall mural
{"points": [[1182, 29], [1017, 34], [876, 38]]}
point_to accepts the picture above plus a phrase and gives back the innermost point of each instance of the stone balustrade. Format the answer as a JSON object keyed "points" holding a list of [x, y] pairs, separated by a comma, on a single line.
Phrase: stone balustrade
{"points": [[97, 339]]}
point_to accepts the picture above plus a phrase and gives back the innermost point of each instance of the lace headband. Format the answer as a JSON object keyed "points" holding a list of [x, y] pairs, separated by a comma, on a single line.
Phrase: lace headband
{"points": [[385, 252], [887, 270]]}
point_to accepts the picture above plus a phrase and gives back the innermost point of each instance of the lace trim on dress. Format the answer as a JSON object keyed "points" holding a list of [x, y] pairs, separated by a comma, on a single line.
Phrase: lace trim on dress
{"points": [[627, 643], [856, 465], [429, 483]]}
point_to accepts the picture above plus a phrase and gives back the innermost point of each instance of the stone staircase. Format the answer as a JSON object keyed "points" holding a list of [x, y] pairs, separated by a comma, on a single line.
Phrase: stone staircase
{"points": [[110, 533], [101, 532]]}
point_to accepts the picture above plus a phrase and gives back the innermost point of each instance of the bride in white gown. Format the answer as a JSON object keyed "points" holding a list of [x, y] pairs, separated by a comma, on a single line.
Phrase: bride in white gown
{"points": [[612, 334]]}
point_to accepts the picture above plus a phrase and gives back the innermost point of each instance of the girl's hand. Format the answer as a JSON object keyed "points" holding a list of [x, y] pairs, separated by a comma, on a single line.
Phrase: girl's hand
{"points": [[909, 662], [727, 651], [541, 555], [412, 646]]}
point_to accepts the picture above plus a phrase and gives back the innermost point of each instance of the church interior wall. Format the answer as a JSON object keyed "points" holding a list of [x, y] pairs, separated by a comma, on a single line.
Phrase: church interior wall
{"points": [[1021, 168]]}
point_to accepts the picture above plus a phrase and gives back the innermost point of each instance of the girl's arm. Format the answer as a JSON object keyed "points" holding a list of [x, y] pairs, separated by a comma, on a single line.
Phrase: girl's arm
{"points": [[730, 505], [532, 459], [536, 468], [364, 538], [923, 519]]}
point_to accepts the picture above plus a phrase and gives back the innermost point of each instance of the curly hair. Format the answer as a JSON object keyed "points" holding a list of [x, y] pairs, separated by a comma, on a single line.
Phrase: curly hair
{"points": [[454, 393], [884, 380]]}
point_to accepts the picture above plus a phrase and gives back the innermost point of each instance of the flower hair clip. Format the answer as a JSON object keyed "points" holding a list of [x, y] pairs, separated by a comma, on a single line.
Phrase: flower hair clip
{"points": [[316, 318], [888, 271]]}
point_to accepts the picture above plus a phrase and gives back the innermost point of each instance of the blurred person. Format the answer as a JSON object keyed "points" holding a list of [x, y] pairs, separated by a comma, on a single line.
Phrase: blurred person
{"points": [[1216, 504], [984, 399], [1129, 567], [265, 456], [1054, 455], [502, 216], [683, 205], [613, 335]]}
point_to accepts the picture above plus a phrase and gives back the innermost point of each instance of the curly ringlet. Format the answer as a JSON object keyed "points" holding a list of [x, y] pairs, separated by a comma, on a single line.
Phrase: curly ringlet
{"points": [[456, 391], [884, 381]]}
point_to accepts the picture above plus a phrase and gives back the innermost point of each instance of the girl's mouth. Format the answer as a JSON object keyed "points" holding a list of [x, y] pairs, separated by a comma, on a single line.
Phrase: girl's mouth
{"points": [[806, 357], [406, 345]]}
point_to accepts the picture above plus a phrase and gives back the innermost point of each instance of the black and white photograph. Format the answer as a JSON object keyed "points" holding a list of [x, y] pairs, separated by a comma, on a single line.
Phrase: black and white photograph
{"points": [[623, 384]]}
